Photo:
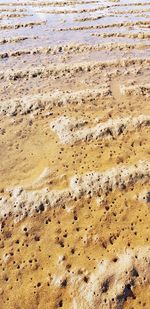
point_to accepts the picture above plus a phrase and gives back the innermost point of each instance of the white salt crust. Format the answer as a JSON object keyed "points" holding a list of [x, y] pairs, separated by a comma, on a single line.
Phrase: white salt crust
{"points": [[70, 130], [21, 202], [109, 286], [46, 101]]}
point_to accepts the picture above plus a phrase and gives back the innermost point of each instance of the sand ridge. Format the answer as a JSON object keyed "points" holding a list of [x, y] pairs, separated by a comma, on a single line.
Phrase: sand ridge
{"points": [[70, 130]]}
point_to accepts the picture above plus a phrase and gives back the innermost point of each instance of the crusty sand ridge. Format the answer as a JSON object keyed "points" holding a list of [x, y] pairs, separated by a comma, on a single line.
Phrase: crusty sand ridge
{"points": [[75, 158]]}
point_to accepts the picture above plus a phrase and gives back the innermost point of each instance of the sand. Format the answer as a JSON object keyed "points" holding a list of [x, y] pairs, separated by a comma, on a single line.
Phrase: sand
{"points": [[75, 159]]}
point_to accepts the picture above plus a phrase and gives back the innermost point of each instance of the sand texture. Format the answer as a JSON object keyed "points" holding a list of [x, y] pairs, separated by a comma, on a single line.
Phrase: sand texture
{"points": [[75, 154]]}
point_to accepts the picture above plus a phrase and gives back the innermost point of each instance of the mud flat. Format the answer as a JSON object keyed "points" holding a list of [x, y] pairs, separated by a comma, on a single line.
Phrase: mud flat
{"points": [[75, 158]]}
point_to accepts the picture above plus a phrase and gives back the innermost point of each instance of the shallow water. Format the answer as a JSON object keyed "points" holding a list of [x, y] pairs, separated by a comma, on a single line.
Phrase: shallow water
{"points": [[65, 21]]}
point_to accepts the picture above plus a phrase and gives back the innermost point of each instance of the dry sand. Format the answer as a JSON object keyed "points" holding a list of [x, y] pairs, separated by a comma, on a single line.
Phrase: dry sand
{"points": [[75, 157]]}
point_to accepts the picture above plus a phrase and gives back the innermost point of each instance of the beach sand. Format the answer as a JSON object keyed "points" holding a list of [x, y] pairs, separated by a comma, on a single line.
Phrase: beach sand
{"points": [[75, 156]]}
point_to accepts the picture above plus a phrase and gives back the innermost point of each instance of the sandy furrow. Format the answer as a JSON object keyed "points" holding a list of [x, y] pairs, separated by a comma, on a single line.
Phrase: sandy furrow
{"points": [[63, 3], [83, 19], [75, 11], [11, 10], [55, 3], [14, 15], [46, 101], [116, 13], [15, 40], [69, 70], [140, 35], [104, 26], [92, 10], [71, 49], [139, 89], [141, 10], [22, 25]]}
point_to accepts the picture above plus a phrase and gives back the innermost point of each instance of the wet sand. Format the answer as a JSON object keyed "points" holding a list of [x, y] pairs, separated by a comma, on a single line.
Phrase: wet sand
{"points": [[75, 158]]}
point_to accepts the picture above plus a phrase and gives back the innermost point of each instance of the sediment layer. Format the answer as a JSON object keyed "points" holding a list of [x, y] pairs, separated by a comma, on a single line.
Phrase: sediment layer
{"points": [[75, 168], [19, 202], [29, 104], [72, 131], [69, 70]]}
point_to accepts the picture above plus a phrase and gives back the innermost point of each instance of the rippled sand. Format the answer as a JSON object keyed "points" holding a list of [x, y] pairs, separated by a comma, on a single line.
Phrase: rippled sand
{"points": [[75, 166]]}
